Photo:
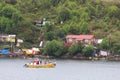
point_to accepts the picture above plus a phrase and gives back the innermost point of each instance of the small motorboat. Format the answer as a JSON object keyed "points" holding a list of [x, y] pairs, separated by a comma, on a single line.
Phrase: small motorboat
{"points": [[48, 65]]}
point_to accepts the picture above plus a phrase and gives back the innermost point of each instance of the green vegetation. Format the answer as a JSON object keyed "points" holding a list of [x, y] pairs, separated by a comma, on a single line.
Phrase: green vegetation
{"points": [[75, 48], [54, 48], [88, 50], [96, 17]]}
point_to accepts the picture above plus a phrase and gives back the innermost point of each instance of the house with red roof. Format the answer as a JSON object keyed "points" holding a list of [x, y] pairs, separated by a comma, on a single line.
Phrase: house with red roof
{"points": [[84, 39]]}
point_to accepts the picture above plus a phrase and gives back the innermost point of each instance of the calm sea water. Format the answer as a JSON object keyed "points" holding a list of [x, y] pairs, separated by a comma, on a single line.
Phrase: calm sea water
{"points": [[12, 69]]}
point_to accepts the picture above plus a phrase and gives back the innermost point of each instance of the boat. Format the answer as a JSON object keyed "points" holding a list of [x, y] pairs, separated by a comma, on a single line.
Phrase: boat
{"points": [[48, 65]]}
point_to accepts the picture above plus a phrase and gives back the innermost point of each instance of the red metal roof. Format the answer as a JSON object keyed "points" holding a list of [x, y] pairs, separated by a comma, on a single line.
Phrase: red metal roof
{"points": [[80, 37]]}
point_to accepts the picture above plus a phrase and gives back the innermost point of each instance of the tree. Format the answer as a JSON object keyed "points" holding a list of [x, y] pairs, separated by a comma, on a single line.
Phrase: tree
{"points": [[84, 28], [84, 16], [96, 9], [75, 48], [88, 50], [60, 33], [11, 1], [49, 35], [64, 15], [55, 2], [116, 48], [105, 44], [80, 47], [113, 11], [74, 29], [10, 12], [72, 49], [49, 27], [81, 1], [6, 25], [54, 48], [114, 42], [10, 17], [44, 4]]}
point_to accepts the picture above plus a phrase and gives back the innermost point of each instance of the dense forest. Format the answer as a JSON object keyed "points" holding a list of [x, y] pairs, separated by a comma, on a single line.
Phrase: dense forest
{"points": [[98, 17]]}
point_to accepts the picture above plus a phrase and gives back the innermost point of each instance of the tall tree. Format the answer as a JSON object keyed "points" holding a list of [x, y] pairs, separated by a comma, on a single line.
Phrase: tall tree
{"points": [[10, 17]]}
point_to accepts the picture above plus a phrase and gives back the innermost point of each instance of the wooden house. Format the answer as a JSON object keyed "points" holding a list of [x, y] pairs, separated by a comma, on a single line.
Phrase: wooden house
{"points": [[84, 39]]}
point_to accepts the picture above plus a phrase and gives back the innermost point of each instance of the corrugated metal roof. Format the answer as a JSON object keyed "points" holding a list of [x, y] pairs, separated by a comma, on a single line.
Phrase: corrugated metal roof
{"points": [[80, 37]]}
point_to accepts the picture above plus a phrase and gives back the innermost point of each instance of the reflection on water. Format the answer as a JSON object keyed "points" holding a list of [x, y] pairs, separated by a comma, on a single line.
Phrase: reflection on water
{"points": [[12, 69]]}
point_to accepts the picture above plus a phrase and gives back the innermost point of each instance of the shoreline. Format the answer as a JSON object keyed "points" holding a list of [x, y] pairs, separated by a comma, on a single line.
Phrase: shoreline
{"points": [[108, 58]]}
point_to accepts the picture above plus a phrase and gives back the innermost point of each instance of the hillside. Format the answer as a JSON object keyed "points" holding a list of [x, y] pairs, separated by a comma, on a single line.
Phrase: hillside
{"points": [[63, 17], [116, 1]]}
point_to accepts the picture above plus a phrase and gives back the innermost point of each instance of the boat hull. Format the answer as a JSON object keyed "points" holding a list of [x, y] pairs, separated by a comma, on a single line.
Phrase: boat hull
{"points": [[49, 65]]}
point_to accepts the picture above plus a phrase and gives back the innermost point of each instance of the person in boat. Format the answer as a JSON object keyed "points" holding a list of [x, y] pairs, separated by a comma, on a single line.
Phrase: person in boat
{"points": [[40, 61], [37, 61], [45, 61], [32, 62]]}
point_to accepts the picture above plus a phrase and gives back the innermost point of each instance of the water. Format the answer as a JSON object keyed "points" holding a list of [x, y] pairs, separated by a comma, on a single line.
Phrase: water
{"points": [[12, 69]]}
